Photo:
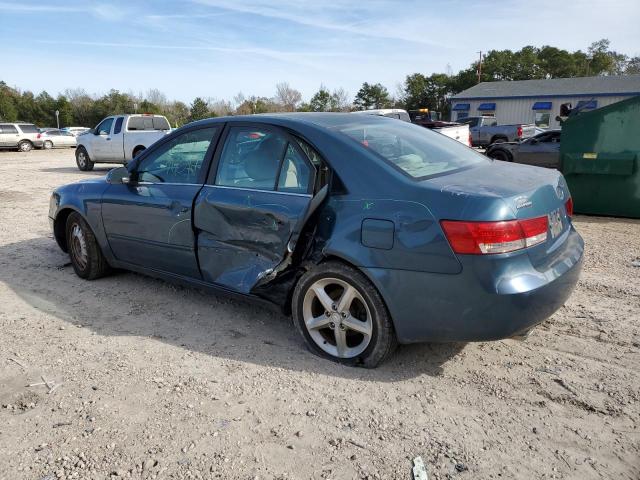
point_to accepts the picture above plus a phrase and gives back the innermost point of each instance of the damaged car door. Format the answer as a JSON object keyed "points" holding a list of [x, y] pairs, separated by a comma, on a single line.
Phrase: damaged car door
{"points": [[250, 210]]}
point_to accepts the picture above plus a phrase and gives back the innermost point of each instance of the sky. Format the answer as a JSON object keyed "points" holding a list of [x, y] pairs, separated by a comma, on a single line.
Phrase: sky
{"points": [[218, 48]]}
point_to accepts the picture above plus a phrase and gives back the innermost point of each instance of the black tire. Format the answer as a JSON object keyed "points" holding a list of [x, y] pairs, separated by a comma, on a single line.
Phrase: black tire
{"points": [[500, 154], [497, 140], [138, 151], [382, 340], [86, 257], [83, 160], [25, 146], [47, 145]]}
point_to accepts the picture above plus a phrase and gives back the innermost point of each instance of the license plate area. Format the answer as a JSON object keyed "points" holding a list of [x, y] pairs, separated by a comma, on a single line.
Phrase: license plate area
{"points": [[555, 223]]}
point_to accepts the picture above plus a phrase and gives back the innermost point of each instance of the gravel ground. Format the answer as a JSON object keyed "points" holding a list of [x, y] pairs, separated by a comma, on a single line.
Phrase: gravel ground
{"points": [[151, 380]]}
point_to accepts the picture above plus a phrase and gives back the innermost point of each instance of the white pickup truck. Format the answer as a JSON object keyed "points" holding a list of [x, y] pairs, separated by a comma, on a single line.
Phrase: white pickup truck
{"points": [[119, 138]]}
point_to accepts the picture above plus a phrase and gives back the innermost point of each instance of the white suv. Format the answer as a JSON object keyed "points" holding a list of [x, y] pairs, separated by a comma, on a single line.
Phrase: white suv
{"points": [[21, 136]]}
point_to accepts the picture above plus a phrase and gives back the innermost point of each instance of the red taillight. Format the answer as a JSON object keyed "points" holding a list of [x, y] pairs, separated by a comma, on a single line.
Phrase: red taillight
{"points": [[569, 207], [470, 140], [519, 131], [478, 238], [39, 135]]}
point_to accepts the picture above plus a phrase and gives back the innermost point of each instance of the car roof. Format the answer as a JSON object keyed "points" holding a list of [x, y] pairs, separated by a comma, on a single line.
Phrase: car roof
{"points": [[327, 120]]}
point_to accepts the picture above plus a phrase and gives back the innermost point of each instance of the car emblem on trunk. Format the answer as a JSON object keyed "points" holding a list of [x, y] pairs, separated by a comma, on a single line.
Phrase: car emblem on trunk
{"points": [[522, 202]]}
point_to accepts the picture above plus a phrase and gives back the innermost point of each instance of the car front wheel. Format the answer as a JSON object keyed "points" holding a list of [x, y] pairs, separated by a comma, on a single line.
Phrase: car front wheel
{"points": [[85, 254], [47, 145], [82, 159], [341, 316]]}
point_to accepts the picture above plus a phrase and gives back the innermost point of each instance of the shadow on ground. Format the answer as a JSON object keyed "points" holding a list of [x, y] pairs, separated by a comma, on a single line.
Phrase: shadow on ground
{"points": [[131, 304]]}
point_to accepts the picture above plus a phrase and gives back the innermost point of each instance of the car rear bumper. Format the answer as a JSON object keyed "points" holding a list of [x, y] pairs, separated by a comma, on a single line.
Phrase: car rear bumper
{"points": [[494, 297]]}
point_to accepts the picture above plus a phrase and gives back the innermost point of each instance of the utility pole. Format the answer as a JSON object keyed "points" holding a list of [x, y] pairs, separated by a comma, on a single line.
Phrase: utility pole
{"points": [[480, 68], [58, 118]]}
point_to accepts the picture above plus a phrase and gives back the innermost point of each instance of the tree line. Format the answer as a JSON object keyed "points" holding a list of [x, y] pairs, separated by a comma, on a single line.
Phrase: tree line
{"points": [[77, 107]]}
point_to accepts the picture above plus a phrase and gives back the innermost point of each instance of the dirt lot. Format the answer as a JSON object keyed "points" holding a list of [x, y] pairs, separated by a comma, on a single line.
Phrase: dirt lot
{"points": [[157, 381]]}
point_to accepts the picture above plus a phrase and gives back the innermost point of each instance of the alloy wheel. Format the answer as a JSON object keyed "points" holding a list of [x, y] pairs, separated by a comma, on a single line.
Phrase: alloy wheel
{"points": [[337, 318]]}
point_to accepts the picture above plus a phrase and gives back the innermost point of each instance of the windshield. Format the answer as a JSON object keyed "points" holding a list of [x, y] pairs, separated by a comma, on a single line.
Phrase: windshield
{"points": [[416, 151]]}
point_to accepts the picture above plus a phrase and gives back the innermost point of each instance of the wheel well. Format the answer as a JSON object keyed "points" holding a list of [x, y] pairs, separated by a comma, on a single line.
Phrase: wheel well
{"points": [[60, 228], [138, 149], [498, 137]]}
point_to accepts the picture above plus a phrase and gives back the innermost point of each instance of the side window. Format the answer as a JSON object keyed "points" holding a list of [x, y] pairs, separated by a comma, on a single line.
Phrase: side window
{"points": [[178, 160], [296, 174], [105, 127], [118, 128], [251, 158]]}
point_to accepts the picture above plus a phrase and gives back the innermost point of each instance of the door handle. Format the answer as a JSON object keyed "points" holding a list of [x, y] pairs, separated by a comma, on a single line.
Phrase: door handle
{"points": [[108, 139]]}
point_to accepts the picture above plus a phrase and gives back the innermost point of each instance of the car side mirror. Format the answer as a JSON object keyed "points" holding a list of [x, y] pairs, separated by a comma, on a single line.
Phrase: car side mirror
{"points": [[533, 141], [118, 175]]}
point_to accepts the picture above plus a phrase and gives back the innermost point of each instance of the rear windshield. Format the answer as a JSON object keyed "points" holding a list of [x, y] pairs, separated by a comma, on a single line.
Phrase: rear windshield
{"points": [[28, 128], [148, 123], [416, 151]]}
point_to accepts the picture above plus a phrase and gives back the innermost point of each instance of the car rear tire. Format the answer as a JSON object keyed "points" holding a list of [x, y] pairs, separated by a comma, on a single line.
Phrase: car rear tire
{"points": [[47, 145], [497, 140], [501, 155], [86, 257], [83, 160], [25, 146], [342, 316]]}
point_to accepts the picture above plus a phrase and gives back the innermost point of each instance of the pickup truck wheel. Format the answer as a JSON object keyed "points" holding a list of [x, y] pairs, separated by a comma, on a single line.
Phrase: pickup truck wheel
{"points": [[84, 251], [342, 317], [25, 146], [82, 160], [47, 145], [138, 151], [498, 140], [500, 154]]}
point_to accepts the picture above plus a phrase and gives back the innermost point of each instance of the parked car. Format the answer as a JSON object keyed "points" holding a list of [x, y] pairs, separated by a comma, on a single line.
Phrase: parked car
{"points": [[75, 131], [21, 136], [486, 131], [119, 138], [57, 139], [368, 231], [543, 150]]}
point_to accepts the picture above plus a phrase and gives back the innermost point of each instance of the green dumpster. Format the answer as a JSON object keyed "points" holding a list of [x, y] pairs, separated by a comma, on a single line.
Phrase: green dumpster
{"points": [[600, 152]]}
